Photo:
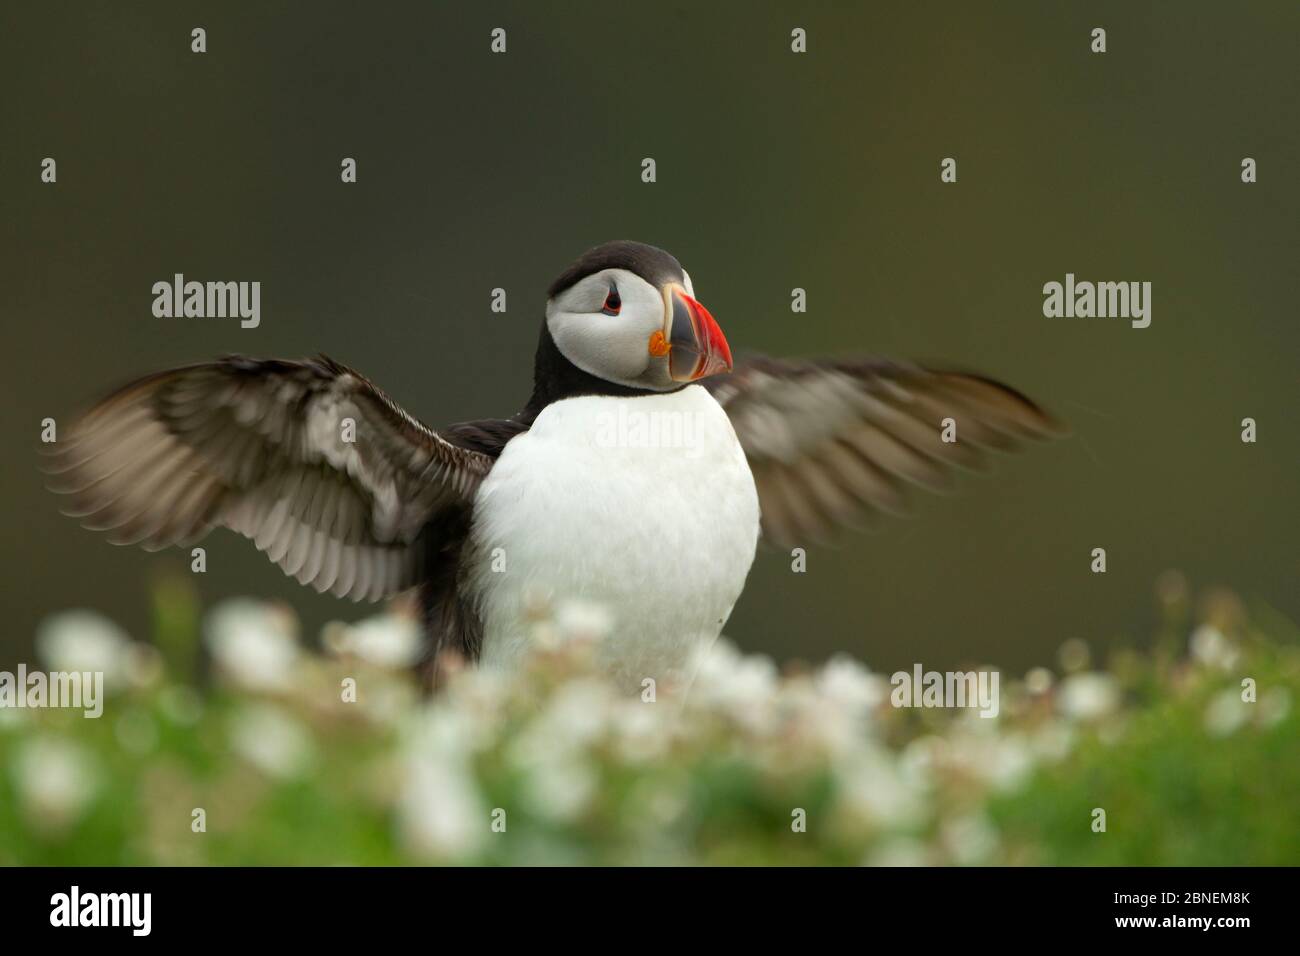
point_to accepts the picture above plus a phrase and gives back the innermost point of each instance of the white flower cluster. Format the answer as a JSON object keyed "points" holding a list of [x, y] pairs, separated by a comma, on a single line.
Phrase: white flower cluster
{"points": [[568, 742], [555, 748]]}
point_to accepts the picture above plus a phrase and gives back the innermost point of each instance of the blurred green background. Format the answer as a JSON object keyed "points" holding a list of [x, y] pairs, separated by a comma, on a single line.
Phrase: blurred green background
{"points": [[775, 170]]}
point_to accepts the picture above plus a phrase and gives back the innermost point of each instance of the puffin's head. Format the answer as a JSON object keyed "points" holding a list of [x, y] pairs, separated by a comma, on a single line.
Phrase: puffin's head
{"points": [[625, 312]]}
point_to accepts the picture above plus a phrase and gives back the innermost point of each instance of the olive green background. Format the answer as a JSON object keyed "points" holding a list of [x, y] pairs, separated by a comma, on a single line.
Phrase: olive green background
{"points": [[775, 170]]}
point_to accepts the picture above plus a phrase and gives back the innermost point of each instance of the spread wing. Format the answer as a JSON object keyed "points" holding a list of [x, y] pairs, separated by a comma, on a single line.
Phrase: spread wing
{"points": [[312, 462], [835, 442]]}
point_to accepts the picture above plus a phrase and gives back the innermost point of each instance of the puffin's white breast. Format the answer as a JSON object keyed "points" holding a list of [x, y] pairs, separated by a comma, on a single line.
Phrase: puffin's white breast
{"points": [[645, 506]]}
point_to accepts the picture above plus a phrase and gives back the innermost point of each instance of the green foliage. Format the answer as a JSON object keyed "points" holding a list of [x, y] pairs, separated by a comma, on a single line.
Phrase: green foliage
{"points": [[552, 765], [1176, 792]]}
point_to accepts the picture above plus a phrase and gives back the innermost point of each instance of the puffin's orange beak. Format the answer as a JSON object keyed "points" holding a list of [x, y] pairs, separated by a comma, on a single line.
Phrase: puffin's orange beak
{"points": [[694, 344]]}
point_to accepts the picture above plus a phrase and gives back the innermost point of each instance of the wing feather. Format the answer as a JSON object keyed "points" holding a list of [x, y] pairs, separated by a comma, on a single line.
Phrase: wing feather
{"points": [[310, 460], [831, 443]]}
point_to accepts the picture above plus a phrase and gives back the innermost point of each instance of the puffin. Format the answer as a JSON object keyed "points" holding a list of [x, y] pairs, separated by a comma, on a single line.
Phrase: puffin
{"points": [[639, 477]]}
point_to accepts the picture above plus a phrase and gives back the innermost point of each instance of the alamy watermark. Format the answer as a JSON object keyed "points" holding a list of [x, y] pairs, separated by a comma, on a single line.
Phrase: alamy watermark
{"points": [[75, 908], [74, 689], [922, 688], [1104, 300], [209, 300], [629, 428]]}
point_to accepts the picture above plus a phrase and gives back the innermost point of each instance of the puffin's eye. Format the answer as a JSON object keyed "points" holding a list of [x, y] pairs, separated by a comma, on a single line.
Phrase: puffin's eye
{"points": [[612, 302]]}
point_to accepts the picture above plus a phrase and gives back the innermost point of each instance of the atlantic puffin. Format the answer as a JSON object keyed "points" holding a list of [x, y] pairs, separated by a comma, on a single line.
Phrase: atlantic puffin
{"points": [[638, 476]]}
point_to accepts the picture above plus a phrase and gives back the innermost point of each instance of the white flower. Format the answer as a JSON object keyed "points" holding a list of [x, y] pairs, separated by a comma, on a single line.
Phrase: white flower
{"points": [[55, 779], [482, 694], [440, 812], [387, 702], [829, 711], [874, 791], [1053, 740], [443, 730], [272, 741], [385, 640], [641, 731], [1209, 647], [571, 720], [742, 687], [577, 711], [253, 644], [1002, 762], [971, 839], [1087, 696], [85, 641], [849, 684], [920, 757], [1038, 681], [1226, 713], [1009, 763], [561, 790], [899, 851], [1274, 705], [716, 661]]}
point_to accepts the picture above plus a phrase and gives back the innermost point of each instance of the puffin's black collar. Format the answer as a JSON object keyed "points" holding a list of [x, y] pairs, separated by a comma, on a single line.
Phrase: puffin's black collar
{"points": [[556, 378]]}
